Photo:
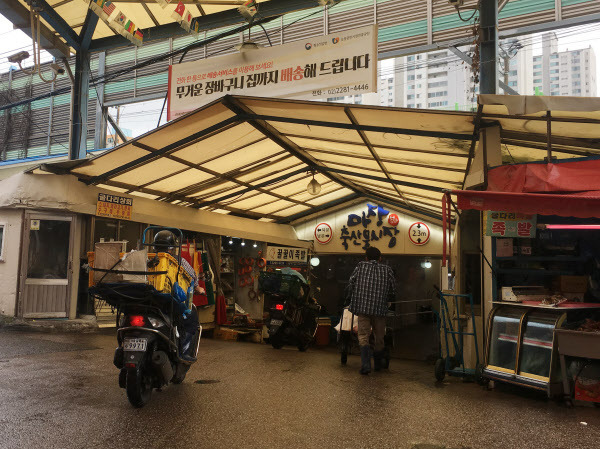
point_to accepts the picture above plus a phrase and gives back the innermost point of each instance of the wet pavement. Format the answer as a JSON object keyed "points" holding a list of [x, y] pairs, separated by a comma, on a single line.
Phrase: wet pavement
{"points": [[61, 391]]}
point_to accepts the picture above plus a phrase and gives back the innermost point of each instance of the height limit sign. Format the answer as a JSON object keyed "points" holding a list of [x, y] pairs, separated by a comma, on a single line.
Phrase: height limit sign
{"points": [[418, 233]]}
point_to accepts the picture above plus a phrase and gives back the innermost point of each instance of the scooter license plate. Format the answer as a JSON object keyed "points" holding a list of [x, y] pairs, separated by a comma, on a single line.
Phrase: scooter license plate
{"points": [[135, 344], [276, 322]]}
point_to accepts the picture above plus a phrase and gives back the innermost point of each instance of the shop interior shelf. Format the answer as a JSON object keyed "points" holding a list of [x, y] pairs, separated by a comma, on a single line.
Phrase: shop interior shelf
{"points": [[544, 258], [534, 272]]}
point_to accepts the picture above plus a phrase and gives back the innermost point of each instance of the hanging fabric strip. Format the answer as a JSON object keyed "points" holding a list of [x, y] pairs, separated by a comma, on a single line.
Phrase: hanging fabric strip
{"points": [[444, 229]]}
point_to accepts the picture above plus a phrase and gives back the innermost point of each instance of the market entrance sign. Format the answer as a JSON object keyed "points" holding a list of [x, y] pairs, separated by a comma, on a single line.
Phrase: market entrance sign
{"points": [[362, 230], [335, 65], [114, 206], [510, 224]]}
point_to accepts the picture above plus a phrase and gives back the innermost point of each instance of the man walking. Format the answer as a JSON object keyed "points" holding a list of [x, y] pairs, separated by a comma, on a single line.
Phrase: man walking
{"points": [[373, 285]]}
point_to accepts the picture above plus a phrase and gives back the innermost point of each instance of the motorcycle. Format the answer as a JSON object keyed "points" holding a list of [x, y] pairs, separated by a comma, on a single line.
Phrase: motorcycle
{"points": [[158, 333], [293, 313]]}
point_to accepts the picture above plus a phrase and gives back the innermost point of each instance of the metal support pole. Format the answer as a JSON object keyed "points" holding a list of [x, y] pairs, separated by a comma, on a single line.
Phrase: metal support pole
{"points": [[548, 137], [79, 106], [488, 47], [100, 123]]}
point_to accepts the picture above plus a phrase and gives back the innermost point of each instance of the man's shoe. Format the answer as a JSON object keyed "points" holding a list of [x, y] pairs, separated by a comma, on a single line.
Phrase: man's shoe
{"points": [[365, 360]]}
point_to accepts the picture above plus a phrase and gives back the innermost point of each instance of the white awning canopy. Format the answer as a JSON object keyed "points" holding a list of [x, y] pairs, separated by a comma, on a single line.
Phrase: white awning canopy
{"points": [[253, 157]]}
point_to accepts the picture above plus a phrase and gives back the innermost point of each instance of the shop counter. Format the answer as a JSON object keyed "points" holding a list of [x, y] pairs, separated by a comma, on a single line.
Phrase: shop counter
{"points": [[521, 344]]}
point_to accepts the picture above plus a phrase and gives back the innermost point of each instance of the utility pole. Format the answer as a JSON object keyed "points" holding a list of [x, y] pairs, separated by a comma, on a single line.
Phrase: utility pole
{"points": [[488, 47]]}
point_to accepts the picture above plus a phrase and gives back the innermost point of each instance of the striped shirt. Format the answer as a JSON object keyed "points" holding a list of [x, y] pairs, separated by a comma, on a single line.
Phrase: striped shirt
{"points": [[373, 285]]}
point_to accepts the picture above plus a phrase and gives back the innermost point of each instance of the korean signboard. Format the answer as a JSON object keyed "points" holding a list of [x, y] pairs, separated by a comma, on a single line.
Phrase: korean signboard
{"points": [[369, 227], [335, 65], [419, 233], [114, 206], [279, 255], [323, 233], [510, 224]]}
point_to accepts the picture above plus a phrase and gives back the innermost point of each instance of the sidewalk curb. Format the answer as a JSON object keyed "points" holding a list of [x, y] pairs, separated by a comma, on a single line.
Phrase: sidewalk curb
{"points": [[41, 325]]}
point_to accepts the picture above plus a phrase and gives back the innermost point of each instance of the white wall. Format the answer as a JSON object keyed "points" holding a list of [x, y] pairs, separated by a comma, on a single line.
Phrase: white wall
{"points": [[9, 266], [338, 219]]}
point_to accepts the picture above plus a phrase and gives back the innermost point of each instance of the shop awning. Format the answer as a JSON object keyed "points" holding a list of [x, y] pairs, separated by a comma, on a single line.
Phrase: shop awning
{"points": [[581, 205], [253, 157]]}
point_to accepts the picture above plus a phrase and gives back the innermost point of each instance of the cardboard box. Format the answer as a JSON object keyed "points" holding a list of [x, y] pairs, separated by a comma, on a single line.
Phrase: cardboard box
{"points": [[224, 333], [573, 284], [523, 293]]}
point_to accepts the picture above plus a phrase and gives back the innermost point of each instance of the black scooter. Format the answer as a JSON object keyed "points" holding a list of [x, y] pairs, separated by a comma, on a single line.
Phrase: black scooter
{"points": [[152, 333], [293, 314]]}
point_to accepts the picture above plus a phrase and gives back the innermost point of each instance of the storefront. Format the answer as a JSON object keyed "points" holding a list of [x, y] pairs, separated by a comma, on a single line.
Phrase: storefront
{"points": [[541, 248], [411, 245]]}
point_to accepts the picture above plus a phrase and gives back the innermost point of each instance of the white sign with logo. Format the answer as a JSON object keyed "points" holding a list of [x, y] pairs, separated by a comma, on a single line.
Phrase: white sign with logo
{"points": [[280, 255], [418, 233], [323, 233], [335, 65]]}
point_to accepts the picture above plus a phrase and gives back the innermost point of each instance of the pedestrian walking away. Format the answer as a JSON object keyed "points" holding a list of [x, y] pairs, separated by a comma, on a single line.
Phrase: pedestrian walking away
{"points": [[372, 285]]}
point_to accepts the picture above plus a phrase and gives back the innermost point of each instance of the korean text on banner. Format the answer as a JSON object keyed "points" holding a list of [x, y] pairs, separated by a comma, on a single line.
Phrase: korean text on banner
{"points": [[510, 224], [280, 255], [114, 206], [329, 66]]}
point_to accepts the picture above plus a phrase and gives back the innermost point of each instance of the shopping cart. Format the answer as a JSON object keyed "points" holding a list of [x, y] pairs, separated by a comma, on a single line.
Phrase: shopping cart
{"points": [[348, 337]]}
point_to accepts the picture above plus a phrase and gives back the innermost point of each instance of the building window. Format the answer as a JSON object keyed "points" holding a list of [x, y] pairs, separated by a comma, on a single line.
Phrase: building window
{"points": [[537, 66], [554, 86], [537, 80], [554, 71], [554, 56], [419, 77], [418, 105], [576, 61], [576, 75], [512, 73], [576, 69], [410, 77], [411, 87], [438, 104], [390, 80], [537, 73], [442, 93], [410, 97], [411, 58], [537, 58], [553, 64], [576, 91], [410, 105], [554, 94], [512, 83], [2, 239], [554, 78], [576, 83], [437, 84]]}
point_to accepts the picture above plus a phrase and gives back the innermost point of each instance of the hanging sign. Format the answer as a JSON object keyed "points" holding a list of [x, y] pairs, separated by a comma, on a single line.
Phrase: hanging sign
{"points": [[323, 233], [419, 233], [114, 206], [510, 224], [362, 230], [279, 255], [335, 65]]}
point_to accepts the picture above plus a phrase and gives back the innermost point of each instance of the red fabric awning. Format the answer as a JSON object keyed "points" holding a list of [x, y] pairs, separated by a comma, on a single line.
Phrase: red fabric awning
{"points": [[574, 176], [581, 204]]}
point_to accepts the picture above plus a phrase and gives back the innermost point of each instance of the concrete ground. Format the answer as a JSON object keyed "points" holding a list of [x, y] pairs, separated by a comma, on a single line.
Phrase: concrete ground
{"points": [[61, 391]]}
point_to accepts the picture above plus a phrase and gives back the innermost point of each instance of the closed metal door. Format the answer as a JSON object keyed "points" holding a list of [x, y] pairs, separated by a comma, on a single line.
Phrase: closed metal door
{"points": [[46, 266]]}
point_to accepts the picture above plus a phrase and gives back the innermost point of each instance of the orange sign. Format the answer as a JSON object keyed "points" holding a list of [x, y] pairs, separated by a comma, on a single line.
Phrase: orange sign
{"points": [[114, 206]]}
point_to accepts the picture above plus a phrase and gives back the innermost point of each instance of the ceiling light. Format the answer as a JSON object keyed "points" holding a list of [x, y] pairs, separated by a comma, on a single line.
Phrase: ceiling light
{"points": [[255, 245], [243, 243], [427, 264], [313, 187], [315, 261], [230, 241]]}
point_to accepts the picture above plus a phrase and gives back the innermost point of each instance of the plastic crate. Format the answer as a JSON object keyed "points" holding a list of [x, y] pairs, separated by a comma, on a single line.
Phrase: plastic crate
{"points": [[280, 284], [164, 282]]}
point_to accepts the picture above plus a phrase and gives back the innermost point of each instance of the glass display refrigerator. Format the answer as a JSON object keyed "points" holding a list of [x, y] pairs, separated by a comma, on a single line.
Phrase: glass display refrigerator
{"points": [[521, 347]]}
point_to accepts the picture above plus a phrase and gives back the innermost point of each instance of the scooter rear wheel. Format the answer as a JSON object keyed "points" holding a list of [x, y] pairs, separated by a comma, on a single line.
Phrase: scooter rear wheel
{"points": [[276, 343], [138, 389]]}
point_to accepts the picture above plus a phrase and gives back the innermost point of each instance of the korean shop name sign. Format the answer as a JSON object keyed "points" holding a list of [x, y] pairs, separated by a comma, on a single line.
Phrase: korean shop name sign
{"points": [[279, 255], [510, 224], [374, 226], [339, 64], [114, 206]]}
